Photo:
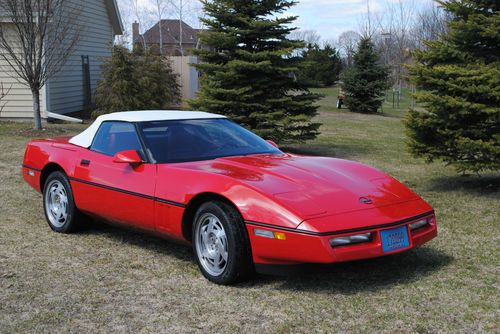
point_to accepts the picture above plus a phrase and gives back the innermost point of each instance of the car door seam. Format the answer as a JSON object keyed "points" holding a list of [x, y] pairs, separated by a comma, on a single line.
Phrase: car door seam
{"points": [[156, 199]]}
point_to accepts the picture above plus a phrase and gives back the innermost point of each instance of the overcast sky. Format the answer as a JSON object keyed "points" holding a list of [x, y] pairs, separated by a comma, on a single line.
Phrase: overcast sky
{"points": [[332, 17], [328, 17]]}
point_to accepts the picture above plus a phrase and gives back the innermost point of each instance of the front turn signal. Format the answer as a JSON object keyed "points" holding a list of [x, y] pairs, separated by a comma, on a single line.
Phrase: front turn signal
{"points": [[279, 236], [269, 234]]}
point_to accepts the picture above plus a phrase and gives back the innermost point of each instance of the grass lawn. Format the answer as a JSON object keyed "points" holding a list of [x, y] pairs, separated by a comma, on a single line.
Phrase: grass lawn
{"points": [[108, 279]]}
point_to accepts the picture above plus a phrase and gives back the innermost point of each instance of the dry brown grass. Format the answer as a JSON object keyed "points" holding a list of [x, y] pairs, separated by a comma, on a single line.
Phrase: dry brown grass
{"points": [[107, 279]]}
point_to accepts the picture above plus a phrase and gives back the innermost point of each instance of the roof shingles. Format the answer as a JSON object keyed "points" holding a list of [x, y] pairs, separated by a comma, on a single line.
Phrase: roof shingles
{"points": [[171, 33]]}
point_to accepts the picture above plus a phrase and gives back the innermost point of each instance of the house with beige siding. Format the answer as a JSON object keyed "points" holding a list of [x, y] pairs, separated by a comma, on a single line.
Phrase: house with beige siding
{"points": [[71, 89]]}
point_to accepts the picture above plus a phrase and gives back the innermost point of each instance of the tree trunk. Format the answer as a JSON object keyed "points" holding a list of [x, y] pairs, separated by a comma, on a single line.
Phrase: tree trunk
{"points": [[161, 35], [180, 29], [36, 110]]}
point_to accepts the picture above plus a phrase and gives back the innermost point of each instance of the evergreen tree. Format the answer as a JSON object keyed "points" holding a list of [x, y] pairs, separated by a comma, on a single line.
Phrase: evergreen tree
{"points": [[157, 83], [459, 81], [365, 82], [117, 89], [320, 66], [136, 81], [248, 71]]}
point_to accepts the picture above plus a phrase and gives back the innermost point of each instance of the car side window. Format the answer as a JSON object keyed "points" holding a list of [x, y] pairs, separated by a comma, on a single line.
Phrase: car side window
{"points": [[114, 137]]}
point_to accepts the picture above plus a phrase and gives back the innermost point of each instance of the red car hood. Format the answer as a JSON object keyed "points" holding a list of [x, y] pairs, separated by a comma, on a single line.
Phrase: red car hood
{"points": [[312, 186]]}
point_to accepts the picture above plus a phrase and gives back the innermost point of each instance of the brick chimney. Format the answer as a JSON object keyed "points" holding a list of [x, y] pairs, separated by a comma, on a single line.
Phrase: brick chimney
{"points": [[135, 31]]}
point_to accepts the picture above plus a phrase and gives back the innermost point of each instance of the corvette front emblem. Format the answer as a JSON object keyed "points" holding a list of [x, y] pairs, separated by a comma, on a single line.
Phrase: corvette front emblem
{"points": [[365, 200]]}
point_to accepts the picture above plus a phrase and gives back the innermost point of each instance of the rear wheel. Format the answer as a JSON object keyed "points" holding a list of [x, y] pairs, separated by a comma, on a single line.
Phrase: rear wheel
{"points": [[220, 243], [59, 206]]}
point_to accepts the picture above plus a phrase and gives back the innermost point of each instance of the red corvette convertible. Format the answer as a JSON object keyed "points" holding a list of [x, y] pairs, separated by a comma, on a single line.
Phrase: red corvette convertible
{"points": [[242, 203]]}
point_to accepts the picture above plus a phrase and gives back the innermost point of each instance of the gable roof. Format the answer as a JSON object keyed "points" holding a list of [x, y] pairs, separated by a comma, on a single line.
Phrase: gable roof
{"points": [[171, 33], [114, 16], [84, 139]]}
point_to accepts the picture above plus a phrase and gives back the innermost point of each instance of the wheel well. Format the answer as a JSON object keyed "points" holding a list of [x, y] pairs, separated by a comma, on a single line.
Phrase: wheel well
{"points": [[192, 207], [46, 171]]}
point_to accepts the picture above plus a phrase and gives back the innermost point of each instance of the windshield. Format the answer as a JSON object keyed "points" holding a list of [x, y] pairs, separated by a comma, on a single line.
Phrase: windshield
{"points": [[201, 139]]}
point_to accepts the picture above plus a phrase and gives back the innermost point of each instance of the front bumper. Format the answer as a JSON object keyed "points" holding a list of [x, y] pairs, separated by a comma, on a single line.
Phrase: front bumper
{"points": [[301, 246]]}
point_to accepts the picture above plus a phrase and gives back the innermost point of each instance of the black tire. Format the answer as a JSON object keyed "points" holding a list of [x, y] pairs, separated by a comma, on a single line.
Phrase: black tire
{"points": [[239, 264], [73, 217]]}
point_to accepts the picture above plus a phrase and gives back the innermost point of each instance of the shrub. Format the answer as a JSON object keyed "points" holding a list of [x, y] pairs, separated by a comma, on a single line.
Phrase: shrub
{"points": [[136, 81]]}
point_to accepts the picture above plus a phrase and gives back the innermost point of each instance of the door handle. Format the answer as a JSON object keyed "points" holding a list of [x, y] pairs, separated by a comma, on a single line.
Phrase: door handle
{"points": [[85, 162]]}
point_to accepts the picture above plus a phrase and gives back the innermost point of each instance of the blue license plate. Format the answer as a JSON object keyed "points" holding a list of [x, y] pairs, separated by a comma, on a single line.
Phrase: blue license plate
{"points": [[395, 238]]}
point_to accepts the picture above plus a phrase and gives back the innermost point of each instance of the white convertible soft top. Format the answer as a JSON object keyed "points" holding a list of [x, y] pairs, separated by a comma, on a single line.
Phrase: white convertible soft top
{"points": [[85, 138]]}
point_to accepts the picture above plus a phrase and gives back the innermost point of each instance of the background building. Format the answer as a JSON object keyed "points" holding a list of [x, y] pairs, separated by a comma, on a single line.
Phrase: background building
{"points": [[70, 90]]}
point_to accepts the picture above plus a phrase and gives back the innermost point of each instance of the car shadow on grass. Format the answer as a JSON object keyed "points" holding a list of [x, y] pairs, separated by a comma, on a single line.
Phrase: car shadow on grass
{"points": [[139, 238], [487, 185], [366, 275], [345, 278]]}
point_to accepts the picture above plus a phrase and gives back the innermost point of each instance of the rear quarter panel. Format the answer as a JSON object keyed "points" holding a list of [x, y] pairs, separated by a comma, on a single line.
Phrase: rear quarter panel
{"points": [[42, 152]]}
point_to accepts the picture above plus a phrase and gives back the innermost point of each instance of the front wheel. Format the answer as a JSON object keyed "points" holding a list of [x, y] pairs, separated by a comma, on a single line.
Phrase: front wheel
{"points": [[59, 206], [220, 243]]}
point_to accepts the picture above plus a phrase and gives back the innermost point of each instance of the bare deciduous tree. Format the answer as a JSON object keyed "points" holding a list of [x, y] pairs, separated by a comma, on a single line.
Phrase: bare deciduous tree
{"points": [[396, 29], [150, 12], [367, 24], [3, 94], [160, 7], [402, 22], [394, 37], [140, 17], [310, 37], [348, 43], [181, 9], [178, 7], [431, 24], [37, 41]]}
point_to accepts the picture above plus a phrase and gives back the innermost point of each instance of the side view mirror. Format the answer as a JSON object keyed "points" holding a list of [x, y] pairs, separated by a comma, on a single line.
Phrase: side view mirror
{"points": [[272, 143], [130, 157]]}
